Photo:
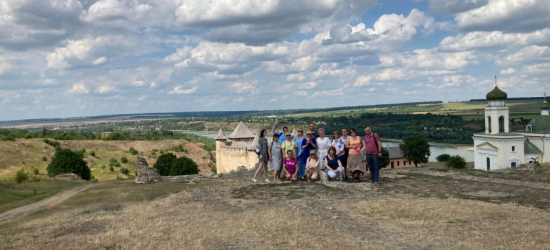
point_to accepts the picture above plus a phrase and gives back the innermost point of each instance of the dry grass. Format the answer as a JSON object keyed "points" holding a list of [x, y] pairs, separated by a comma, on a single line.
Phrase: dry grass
{"points": [[462, 224]]}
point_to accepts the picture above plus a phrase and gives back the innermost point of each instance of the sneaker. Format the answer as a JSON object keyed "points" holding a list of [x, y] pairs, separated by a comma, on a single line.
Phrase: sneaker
{"points": [[254, 180], [376, 184], [266, 180]]}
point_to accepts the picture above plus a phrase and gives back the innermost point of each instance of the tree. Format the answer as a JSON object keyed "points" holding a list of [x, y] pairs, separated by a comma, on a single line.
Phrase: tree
{"points": [[442, 157], [184, 166], [68, 161], [415, 149], [124, 159], [164, 163], [385, 159], [21, 176], [456, 161], [133, 151]]}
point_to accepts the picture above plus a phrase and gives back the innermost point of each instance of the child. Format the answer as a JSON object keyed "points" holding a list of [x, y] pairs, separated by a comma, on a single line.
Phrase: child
{"points": [[290, 165]]}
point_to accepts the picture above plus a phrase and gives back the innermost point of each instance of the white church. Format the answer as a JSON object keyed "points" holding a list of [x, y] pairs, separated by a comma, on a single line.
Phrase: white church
{"points": [[498, 148]]}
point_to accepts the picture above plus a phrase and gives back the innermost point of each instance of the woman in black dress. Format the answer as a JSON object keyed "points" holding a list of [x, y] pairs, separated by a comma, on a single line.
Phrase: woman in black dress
{"points": [[263, 156]]}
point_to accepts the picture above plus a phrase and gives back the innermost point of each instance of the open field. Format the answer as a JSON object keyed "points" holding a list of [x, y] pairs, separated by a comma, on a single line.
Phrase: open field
{"points": [[418, 208]]}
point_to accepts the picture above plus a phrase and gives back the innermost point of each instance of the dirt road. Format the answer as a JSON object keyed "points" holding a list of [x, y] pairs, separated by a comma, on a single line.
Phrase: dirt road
{"points": [[56, 199]]}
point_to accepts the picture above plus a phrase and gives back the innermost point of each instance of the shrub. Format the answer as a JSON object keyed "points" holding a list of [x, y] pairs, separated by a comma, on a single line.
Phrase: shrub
{"points": [[111, 169], [133, 151], [442, 157], [456, 161], [184, 166], [35, 171], [124, 159], [44, 158], [537, 168], [213, 167], [103, 167], [114, 163], [21, 176], [92, 153], [164, 163], [124, 171], [67, 161]]}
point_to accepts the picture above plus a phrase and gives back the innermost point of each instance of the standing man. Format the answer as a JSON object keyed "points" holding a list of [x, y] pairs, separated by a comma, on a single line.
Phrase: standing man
{"points": [[314, 133], [373, 153], [282, 135]]}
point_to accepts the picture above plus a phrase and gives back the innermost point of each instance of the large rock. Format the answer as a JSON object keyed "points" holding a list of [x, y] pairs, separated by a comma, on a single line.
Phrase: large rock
{"points": [[207, 156], [145, 174], [323, 176]]}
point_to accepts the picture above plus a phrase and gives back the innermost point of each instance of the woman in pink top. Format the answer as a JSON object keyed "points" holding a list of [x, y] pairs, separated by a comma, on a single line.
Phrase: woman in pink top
{"points": [[290, 166]]}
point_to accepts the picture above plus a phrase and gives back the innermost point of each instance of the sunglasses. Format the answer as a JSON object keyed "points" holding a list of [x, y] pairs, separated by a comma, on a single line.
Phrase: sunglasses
{"points": [[300, 131]]}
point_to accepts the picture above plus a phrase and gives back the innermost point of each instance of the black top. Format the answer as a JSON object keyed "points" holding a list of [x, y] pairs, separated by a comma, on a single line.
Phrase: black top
{"points": [[333, 164]]}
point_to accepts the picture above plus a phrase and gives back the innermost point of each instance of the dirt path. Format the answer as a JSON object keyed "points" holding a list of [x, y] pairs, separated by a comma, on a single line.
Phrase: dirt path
{"points": [[56, 199]]}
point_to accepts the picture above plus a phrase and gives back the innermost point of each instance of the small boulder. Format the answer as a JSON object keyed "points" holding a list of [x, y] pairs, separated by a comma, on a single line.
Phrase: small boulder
{"points": [[323, 176], [207, 156]]}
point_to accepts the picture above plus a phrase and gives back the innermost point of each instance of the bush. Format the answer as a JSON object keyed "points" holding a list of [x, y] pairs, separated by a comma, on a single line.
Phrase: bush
{"points": [[124, 171], [133, 151], [124, 159], [184, 166], [456, 161], [164, 163], [103, 167], [442, 157], [92, 153], [111, 169], [213, 167], [35, 171], [44, 158], [537, 168], [114, 163], [21, 176], [68, 161]]}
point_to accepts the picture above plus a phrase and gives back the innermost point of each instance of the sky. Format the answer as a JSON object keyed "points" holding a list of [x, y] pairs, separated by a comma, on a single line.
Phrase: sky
{"points": [[72, 58]]}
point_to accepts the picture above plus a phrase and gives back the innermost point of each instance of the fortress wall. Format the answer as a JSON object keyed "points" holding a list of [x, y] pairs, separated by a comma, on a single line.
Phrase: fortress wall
{"points": [[231, 158]]}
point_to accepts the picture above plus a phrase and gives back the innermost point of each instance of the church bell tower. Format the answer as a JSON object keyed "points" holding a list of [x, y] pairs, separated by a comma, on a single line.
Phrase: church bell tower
{"points": [[497, 115]]}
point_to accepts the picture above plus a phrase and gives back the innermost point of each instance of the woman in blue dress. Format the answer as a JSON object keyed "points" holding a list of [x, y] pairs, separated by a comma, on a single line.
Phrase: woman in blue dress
{"points": [[301, 162]]}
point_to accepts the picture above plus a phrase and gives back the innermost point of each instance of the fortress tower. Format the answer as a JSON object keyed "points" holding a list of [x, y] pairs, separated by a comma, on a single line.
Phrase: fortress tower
{"points": [[236, 150]]}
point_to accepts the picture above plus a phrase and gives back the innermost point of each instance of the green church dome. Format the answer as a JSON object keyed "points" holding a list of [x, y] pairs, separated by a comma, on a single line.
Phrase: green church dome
{"points": [[496, 94], [545, 105], [540, 124]]}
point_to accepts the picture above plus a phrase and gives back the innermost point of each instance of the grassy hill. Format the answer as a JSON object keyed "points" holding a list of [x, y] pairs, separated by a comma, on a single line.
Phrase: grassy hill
{"points": [[28, 154]]}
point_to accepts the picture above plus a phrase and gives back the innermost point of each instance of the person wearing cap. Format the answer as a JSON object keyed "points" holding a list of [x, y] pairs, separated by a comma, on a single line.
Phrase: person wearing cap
{"points": [[282, 137]]}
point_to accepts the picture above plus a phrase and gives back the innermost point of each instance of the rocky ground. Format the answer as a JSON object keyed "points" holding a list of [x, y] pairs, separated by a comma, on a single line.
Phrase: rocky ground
{"points": [[423, 208]]}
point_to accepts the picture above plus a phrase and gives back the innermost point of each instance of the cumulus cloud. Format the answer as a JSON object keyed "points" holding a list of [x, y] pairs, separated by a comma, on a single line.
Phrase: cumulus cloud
{"points": [[179, 90], [507, 16], [35, 23], [508, 71], [456, 6], [78, 88]]}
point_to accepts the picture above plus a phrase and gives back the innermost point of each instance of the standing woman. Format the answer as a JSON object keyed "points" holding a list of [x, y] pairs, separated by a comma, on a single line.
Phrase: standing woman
{"points": [[308, 144], [301, 165], [338, 144], [263, 155], [323, 143], [275, 156], [355, 163]]}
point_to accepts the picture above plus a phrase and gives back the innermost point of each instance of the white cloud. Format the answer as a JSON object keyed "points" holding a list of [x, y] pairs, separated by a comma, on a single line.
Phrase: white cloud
{"points": [[536, 68], [99, 60], [456, 6], [179, 90], [527, 54], [507, 71], [506, 15], [244, 88], [78, 88], [105, 89]]}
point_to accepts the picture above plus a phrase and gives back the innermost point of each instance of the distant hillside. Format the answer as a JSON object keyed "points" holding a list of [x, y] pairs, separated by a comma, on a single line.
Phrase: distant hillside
{"points": [[27, 154]]}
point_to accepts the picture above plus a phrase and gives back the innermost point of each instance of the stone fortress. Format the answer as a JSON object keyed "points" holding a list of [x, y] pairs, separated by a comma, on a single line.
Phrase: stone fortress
{"points": [[236, 150], [498, 148]]}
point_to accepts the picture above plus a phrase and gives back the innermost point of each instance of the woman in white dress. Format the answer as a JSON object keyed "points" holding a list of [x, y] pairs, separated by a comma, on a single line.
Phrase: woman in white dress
{"points": [[323, 143]]}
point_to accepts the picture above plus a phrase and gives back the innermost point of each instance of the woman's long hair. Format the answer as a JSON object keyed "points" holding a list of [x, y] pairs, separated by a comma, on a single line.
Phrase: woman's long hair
{"points": [[262, 133], [313, 152]]}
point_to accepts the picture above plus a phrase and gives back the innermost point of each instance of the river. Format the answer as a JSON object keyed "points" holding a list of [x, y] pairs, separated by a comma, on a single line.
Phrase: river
{"points": [[436, 149]]}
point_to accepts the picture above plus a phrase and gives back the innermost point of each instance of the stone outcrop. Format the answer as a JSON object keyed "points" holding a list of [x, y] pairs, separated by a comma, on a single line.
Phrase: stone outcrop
{"points": [[145, 174]]}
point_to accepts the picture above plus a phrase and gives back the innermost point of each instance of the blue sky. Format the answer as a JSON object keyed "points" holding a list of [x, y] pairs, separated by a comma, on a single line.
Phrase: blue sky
{"points": [[67, 58]]}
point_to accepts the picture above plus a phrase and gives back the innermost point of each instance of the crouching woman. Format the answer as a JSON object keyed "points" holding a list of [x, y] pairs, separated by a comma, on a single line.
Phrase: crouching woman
{"points": [[333, 165], [312, 166], [290, 166]]}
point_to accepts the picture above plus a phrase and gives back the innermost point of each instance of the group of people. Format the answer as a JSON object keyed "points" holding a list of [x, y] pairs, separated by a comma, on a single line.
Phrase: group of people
{"points": [[304, 156]]}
